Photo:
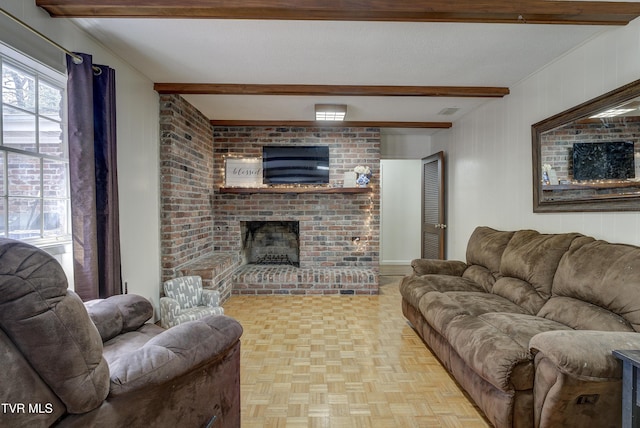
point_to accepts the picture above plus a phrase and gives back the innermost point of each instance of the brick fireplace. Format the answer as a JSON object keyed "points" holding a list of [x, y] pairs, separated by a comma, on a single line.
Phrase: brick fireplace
{"points": [[328, 223], [200, 223]]}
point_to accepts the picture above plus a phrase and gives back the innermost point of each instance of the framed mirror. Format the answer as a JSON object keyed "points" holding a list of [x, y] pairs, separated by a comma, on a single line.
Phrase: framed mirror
{"points": [[588, 157]]}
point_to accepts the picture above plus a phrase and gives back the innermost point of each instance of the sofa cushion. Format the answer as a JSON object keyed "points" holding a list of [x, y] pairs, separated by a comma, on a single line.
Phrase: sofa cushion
{"points": [[596, 287], [173, 353], [117, 314], [128, 342], [44, 319], [484, 250], [496, 346], [20, 383], [439, 309], [438, 267], [528, 265], [583, 316], [106, 317], [586, 355], [412, 288], [519, 292], [481, 276]]}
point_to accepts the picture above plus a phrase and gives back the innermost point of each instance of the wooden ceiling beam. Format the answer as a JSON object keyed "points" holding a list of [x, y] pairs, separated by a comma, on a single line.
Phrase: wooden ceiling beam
{"points": [[325, 124], [330, 90], [489, 11]]}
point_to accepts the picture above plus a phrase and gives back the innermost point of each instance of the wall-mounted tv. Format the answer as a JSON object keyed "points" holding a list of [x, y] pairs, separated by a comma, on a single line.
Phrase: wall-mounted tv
{"points": [[295, 164], [603, 161]]}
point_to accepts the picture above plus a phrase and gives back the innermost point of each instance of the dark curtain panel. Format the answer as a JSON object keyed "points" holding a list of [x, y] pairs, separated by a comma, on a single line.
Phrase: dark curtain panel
{"points": [[93, 176], [108, 227]]}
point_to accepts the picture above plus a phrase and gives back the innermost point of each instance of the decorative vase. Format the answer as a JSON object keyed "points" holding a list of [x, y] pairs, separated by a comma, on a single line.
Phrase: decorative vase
{"points": [[545, 178], [362, 180]]}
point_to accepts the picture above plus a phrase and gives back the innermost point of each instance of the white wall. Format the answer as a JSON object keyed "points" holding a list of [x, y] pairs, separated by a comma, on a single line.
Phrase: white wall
{"points": [[400, 195], [405, 145], [138, 150], [489, 150], [400, 211]]}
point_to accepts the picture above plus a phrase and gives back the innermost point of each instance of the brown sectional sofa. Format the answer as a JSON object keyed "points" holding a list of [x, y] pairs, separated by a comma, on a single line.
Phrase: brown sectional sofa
{"points": [[528, 324]]}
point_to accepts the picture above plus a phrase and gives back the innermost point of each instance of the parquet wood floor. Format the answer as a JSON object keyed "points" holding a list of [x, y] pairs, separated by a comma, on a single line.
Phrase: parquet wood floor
{"points": [[341, 361]]}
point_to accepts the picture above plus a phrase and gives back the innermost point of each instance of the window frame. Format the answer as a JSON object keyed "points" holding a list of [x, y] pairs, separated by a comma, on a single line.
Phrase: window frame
{"points": [[51, 77]]}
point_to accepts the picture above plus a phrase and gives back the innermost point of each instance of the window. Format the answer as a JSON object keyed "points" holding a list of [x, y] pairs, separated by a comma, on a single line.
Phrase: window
{"points": [[34, 161]]}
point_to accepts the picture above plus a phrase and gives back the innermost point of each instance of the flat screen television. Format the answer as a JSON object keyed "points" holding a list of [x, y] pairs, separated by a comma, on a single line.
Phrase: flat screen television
{"points": [[603, 161], [295, 164]]}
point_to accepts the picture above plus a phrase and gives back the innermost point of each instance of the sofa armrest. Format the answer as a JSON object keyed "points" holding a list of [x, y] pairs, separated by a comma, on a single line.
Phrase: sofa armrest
{"points": [[119, 314], [174, 353], [211, 298], [438, 267], [585, 354]]}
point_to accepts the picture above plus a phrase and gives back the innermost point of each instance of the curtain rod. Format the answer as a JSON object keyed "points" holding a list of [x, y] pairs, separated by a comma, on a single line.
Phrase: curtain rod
{"points": [[76, 58]]}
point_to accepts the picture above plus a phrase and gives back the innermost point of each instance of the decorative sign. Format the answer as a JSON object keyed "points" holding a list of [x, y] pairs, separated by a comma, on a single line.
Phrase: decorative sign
{"points": [[243, 172], [349, 179]]}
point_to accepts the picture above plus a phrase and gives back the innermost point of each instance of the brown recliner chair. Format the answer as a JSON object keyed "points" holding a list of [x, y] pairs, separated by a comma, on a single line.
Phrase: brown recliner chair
{"points": [[58, 368]]}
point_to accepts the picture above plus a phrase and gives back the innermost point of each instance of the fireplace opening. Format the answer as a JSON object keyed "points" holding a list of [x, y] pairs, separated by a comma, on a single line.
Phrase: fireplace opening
{"points": [[271, 242]]}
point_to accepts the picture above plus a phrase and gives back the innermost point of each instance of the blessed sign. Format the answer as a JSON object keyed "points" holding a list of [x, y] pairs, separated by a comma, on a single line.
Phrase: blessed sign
{"points": [[243, 172]]}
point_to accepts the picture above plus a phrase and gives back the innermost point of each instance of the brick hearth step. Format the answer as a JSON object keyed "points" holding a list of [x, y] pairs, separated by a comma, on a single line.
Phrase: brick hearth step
{"points": [[215, 269], [286, 279]]}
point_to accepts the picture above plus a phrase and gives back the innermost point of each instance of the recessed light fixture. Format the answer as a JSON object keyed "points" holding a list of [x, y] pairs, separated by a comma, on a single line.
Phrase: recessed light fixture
{"points": [[333, 112]]}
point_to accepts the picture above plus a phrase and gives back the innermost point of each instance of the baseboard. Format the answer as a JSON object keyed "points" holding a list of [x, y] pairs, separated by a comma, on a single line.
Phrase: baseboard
{"points": [[395, 269]]}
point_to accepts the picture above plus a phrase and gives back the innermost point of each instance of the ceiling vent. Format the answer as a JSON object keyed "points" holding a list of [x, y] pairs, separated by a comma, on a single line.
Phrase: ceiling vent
{"points": [[448, 111]]}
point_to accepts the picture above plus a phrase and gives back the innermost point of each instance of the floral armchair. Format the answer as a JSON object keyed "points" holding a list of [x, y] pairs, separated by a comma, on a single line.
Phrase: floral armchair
{"points": [[185, 300]]}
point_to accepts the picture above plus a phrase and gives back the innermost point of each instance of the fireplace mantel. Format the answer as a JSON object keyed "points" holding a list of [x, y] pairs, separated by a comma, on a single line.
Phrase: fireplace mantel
{"points": [[318, 190]]}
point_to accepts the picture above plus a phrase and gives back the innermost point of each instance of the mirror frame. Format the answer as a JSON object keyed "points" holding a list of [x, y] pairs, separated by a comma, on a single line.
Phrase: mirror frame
{"points": [[586, 109]]}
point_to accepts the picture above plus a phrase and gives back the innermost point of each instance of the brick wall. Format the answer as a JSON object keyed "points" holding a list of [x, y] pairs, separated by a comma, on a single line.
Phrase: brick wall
{"points": [[199, 226], [186, 168], [28, 177], [327, 222], [557, 145]]}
